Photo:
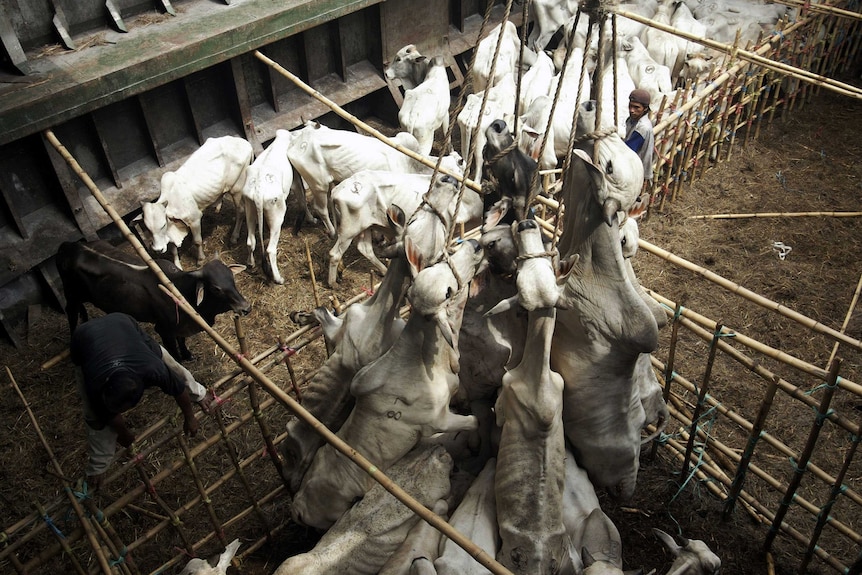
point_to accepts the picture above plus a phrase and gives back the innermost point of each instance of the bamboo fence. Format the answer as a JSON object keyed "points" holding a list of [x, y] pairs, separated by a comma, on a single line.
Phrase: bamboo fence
{"points": [[176, 498]]}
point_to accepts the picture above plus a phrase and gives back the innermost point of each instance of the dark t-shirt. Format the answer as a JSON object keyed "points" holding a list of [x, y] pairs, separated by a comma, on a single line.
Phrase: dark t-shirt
{"points": [[115, 344]]}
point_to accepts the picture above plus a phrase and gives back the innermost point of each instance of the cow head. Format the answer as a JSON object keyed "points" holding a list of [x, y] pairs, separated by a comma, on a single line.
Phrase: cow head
{"points": [[693, 557], [439, 291], [156, 222], [408, 67], [215, 287]]}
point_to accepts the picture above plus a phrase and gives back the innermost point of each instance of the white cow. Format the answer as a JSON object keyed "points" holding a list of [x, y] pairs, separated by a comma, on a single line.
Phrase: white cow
{"points": [[500, 104], [570, 77], [646, 73], [426, 107], [269, 181], [361, 335], [549, 16], [507, 60], [693, 557], [536, 81], [362, 201], [682, 19], [408, 67], [420, 549], [217, 168], [530, 461], [403, 396], [365, 537], [598, 341], [615, 100], [665, 48], [534, 125], [324, 157], [475, 518], [197, 566]]}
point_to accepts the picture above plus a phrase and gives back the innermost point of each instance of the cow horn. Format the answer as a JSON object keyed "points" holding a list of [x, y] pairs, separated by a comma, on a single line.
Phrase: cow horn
{"points": [[610, 207]]}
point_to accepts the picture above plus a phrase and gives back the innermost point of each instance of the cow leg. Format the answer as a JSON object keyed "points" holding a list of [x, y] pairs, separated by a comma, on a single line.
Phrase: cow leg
{"points": [[454, 422], [185, 353], [274, 219], [237, 226], [170, 342], [366, 249], [342, 242], [251, 239], [175, 255], [195, 228]]}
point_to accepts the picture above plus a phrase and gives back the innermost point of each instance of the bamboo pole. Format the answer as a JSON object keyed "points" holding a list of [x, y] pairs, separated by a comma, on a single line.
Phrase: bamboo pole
{"points": [[752, 57], [701, 394], [834, 492], [750, 295], [754, 366], [288, 352], [767, 515], [87, 526], [208, 505], [668, 370], [254, 401], [765, 436], [822, 9], [101, 522], [234, 459], [788, 491], [61, 538], [805, 456], [776, 215], [753, 437]]}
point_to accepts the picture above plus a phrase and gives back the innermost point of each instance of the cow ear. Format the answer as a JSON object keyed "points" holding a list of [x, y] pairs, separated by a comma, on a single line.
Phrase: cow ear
{"points": [[236, 268], [414, 256], [199, 293], [668, 541]]}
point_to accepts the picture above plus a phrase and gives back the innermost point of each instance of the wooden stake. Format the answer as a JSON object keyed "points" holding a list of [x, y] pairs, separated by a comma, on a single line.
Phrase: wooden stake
{"points": [[311, 273]]}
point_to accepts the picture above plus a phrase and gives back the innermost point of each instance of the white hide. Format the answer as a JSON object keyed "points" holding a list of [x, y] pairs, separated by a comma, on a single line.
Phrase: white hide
{"points": [[426, 107], [530, 460], [269, 181], [665, 48], [570, 77], [534, 127], [549, 16], [324, 157], [420, 549], [602, 552], [475, 518], [500, 104], [507, 60], [646, 73], [429, 225], [367, 535], [202, 567], [615, 100], [536, 81], [217, 168], [597, 341], [693, 557], [361, 203], [401, 397], [365, 331]]}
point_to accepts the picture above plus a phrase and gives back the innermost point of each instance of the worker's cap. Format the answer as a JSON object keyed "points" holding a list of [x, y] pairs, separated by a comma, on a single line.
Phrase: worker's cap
{"points": [[640, 96], [121, 392]]}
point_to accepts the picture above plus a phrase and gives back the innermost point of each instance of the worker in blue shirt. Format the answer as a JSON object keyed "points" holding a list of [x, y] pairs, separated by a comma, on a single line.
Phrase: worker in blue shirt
{"points": [[639, 135]]}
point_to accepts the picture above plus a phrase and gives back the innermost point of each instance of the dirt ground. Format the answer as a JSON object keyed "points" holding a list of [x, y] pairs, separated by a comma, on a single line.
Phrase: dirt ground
{"points": [[808, 161]]}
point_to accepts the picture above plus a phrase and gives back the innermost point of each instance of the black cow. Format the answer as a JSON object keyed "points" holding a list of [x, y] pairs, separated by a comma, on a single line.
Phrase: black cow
{"points": [[113, 280], [511, 171]]}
